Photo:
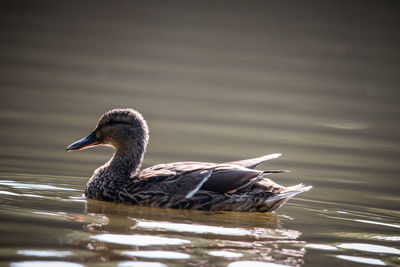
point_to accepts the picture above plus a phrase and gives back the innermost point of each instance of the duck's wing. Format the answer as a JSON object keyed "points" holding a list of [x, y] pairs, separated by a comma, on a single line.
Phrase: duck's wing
{"points": [[166, 181], [230, 177], [224, 177], [186, 184], [254, 162]]}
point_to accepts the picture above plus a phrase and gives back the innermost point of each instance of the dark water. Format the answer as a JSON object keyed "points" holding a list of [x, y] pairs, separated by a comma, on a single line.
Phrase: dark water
{"points": [[216, 81]]}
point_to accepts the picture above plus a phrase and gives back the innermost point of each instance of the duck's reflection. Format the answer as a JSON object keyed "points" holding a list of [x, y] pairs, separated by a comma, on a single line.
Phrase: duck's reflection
{"points": [[229, 219], [208, 237]]}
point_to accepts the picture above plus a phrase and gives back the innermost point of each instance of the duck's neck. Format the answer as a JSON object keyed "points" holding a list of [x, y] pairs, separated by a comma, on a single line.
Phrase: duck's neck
{"points": [[109, 180], [126, 163]]}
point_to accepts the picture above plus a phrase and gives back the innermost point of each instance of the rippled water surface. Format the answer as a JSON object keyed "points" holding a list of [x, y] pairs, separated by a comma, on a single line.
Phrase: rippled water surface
{"points": [[216, 81]]}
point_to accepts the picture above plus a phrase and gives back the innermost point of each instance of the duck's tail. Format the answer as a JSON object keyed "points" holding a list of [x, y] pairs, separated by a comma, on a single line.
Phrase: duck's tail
{"points": [[289, 192], [279, 199]]}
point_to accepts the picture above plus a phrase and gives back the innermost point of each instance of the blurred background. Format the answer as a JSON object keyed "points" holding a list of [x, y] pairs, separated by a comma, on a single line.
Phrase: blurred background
{"points": [[216, 81]]}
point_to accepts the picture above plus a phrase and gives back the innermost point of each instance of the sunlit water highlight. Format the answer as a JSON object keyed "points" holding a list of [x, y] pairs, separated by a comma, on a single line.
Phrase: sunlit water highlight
{"points": [[198, 229], [44, 253], [45, 264], [141, 264], [321, 246], [157, 254], [257, 233], [370, 248], [255, 264], [139, 240], [226, 254], [379, 223], [361, 260], [18, 185]]}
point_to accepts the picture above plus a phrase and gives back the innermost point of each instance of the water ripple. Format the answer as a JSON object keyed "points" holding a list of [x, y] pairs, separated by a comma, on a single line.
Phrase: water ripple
{"points": [[321, 246], [386, 238], [225, 254], [157, 254], [255, 264], [2, 192], [370, 248], [45, 264], [140, 264], [379, 223], [193, 228], [361, 259], [18, 185], [258, 233], [44, 253], [139, 240]]}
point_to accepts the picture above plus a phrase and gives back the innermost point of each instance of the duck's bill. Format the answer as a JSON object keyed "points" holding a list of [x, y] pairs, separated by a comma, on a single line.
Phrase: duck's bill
{"points": [[86, 142]]}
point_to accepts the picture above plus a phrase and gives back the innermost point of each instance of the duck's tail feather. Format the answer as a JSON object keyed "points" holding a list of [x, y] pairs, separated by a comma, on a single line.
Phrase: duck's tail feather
{"points": [[289, 192], [281, 198]]}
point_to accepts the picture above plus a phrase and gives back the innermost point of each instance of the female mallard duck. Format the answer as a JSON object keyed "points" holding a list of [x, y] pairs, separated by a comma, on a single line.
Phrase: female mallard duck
{"points": [[233, 186]]}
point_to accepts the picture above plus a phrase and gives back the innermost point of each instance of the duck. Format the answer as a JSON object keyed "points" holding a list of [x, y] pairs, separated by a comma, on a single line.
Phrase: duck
{"points": [[229, 186]]}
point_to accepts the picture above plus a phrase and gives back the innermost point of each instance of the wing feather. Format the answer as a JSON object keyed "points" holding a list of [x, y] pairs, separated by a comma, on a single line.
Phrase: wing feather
{"points": [[254, 162], [186, 184]]}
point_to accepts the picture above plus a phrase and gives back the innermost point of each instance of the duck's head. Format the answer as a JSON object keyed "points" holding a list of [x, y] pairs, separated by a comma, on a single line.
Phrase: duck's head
{"points": [[119, 128]]}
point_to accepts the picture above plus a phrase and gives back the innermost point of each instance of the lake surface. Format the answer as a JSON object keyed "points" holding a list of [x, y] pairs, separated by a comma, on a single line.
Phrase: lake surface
{"points": [[216, 81]]}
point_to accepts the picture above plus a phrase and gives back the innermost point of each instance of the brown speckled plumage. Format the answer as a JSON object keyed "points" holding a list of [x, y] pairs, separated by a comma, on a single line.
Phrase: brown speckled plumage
{"points": [[234, 186]]}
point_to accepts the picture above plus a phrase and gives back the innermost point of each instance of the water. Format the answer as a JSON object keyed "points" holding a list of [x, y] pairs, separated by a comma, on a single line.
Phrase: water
{"points": [[216, 81]]}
